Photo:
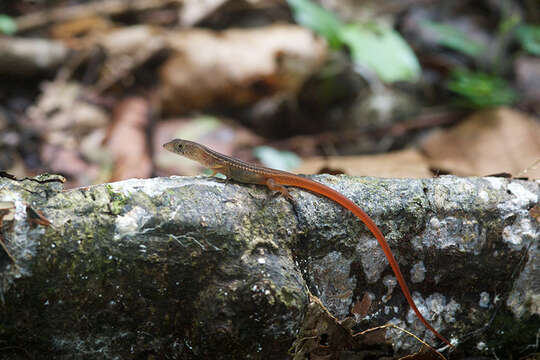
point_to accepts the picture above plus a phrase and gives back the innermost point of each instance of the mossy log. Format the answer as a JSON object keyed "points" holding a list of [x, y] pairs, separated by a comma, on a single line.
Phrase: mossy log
{"points": [[192, 268]]}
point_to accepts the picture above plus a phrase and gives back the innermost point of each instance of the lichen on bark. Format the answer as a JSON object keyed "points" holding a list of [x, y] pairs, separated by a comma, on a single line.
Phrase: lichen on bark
{"points": [[196, 267]]}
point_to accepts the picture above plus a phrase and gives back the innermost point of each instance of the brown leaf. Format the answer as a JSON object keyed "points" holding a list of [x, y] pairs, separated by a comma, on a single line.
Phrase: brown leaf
{"points": [[237, 67], [361, 308], [126, 48], [535, 212], [488, 142], [399, 164], [127, 141], [79, 30], [29, 56], [7, 211], [194, 11]]}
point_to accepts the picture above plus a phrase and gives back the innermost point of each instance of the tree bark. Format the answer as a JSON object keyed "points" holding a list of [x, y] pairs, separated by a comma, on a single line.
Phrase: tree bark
{"points": [[189, 268]]}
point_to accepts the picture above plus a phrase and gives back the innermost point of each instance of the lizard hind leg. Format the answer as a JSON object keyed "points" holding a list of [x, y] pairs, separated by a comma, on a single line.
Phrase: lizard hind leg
{"points": [[272, 185]]}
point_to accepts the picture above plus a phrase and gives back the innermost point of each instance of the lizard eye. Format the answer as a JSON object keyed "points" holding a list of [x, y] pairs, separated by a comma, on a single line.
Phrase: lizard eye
{"points": [[179, 147]]}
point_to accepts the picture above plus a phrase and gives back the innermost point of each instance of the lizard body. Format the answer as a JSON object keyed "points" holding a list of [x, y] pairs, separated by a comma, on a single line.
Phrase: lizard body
{"points": [[276, 180]]}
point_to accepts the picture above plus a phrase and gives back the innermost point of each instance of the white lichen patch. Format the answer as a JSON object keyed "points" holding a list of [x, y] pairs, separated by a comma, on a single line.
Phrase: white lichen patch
{"points": [[523, 196], [484, 300], [482, 346], [464, 234], [520, 233], [451, 309], [157, 186], [449, 192], [483, 195], [131, 222], [496, 183], [418, 272], [434, 309]]}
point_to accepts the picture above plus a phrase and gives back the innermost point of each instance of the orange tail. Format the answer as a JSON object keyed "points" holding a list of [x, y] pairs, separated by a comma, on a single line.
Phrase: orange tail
{"points": [[324, 190]]}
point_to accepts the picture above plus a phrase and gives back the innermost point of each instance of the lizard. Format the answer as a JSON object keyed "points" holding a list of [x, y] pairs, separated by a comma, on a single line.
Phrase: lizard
{"points": [[276, 180]]}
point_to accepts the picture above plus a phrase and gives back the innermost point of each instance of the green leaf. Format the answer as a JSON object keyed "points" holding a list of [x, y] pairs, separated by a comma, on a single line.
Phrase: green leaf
{"points": [[381, 49], [478, 90], [8, 26], [455, 39], [281, 160], [529, 37], [318, 19], [509, 24]]}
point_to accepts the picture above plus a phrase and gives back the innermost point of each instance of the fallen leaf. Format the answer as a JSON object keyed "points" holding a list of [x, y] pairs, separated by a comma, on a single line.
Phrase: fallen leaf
{"points": [[237, 67], [535, 212], [488, 142], [77, 31], [27, 57], [60, 108], [127, 140], [7, 211], [64, 119], [125, 49], [361, 308], [399, 164], [193, 11]]}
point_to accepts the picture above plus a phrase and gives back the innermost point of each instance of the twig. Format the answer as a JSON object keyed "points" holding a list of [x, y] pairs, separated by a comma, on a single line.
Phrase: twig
{"points": [[339, 137], [405, 331], [104, 7]]}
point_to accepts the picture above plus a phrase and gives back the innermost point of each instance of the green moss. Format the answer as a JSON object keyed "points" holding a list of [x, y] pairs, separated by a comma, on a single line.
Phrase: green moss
{"points": [[117, 200], [289, 297]]}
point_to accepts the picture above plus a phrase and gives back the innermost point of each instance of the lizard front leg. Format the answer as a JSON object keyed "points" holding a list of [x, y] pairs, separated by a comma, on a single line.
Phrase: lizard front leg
{"points": [[274, 186]]}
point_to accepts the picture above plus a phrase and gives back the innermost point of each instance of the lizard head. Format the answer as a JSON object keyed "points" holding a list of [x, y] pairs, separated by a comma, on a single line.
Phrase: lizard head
{"points": [[186, 148], [179, 146]]}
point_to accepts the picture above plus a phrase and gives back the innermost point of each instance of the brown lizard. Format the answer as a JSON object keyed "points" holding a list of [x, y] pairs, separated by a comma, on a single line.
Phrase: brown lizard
{"points": [[276, 180]]}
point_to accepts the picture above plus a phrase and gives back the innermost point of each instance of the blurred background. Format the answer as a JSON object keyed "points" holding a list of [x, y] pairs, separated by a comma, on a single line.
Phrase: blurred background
{"points": [[393, 88]]}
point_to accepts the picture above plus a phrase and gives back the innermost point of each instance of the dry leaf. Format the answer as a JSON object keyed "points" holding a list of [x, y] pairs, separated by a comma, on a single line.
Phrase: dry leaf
{"points": [[127, 48], [26, 57], [7, 211], [535, 213], [194, 11], [399, 164], [64, 118], [127, 140], [237, 67], [361, 308], [488, 142], [79, 31]]}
